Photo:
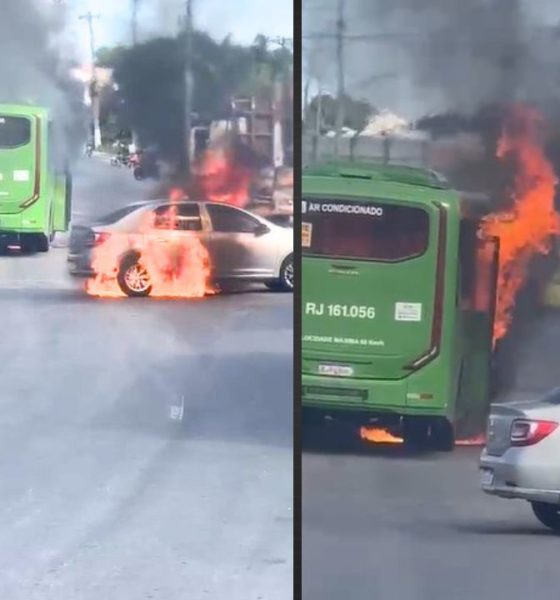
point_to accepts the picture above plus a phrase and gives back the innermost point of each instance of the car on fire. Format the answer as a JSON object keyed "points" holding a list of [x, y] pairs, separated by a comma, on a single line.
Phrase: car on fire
{"points": [[522, 455], [241, 246]]}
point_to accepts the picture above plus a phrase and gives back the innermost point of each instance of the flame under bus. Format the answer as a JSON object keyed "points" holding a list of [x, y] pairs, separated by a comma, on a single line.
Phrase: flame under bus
{"points": [[35, 189], [397, 302]]}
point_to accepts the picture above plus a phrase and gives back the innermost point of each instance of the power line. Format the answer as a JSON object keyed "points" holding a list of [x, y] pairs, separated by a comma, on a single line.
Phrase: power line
{"points": [[134, 23]]}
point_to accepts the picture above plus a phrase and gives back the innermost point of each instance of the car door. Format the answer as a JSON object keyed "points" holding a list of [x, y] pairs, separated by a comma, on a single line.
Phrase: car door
{"points": [[240, 245]]}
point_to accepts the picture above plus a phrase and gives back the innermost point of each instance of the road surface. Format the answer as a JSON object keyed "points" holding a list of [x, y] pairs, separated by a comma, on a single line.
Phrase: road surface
{"points": [[380, 524], [104, 493]]}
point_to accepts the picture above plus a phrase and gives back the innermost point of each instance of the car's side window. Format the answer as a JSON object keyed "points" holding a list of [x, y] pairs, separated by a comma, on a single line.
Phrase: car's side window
{"points": [[184, 217], [226, 219]]}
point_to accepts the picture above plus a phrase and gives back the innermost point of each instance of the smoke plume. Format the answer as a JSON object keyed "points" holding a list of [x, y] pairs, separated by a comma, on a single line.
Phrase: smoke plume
{"points": [[439, 55], [34, 68]]}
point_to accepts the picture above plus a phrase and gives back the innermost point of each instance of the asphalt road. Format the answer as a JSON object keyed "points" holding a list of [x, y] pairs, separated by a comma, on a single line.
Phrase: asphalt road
{"points": [[103, 492], [380, 524]]}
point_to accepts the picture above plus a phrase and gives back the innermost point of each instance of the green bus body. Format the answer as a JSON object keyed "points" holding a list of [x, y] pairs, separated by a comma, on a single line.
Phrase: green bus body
{"points": [[397, 301], [35, 186]]}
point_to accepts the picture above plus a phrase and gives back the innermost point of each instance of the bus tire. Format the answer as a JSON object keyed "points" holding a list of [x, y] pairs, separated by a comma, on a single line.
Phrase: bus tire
{"points": [[416, 433], [442, 436], [42, 243]]}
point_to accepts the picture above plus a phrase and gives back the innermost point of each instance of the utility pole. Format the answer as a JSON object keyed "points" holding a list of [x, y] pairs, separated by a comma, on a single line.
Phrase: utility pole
{"points": [[340, 27], [188, 82], [94, 92], [135, 4], [134, 24]]}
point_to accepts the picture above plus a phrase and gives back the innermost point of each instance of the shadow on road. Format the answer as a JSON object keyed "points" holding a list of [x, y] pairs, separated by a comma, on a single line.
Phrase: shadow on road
{"points": [[501, 529]]}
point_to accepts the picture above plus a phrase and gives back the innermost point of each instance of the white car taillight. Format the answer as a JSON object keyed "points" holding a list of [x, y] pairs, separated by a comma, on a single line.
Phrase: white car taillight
{"points": [[527, 432]]}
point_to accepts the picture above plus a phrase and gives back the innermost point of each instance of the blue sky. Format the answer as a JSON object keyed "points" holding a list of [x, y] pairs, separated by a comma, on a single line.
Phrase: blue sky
{"points": [[244, 19]]}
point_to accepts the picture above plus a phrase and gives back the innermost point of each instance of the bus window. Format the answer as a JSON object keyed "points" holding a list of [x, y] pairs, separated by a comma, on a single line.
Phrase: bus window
{"points": [[368, 231], [14, 132]]}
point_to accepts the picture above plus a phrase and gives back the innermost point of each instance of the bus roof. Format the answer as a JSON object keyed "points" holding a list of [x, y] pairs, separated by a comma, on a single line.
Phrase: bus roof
{"points": [[25, 109], [379, 172], [396, 181]]}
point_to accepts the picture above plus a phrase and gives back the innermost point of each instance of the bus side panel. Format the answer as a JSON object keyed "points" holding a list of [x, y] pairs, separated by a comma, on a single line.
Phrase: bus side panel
{"points": [[62, 202], [477, 328]]}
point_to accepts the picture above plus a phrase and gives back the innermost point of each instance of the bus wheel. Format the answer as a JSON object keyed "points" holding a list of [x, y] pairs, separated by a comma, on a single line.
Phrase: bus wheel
{"points": [[442, 436], [416, 433], [42, 243]]}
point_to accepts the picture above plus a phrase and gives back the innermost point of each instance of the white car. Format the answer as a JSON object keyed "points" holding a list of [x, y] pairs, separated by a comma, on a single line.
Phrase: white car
{"points": [[522, 455]]}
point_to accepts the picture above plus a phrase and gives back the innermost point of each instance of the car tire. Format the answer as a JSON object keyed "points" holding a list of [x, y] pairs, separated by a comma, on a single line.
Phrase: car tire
{"points": [[133, 277], [547, 514], [286, 280]]}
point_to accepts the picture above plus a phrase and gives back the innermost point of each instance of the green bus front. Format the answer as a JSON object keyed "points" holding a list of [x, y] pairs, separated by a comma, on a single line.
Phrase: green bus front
{"points": [[35, 188], [396, 330]]}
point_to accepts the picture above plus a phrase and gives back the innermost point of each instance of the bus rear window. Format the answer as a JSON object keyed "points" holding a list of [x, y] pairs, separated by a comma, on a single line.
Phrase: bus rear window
{"points": [[14, 132], [363, 230]]}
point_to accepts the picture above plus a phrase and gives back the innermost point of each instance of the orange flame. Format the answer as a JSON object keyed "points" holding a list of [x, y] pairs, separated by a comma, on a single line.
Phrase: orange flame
{"points": [[382, 436], [178, 268], [379, 436], [222, 180], [526, 229]]}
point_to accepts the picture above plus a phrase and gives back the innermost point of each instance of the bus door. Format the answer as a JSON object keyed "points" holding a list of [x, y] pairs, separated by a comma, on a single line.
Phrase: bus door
{"points": [[479, 262]]}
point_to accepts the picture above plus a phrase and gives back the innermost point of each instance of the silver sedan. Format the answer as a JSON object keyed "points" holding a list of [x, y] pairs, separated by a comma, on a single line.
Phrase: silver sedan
{"points": [[522, 455], [242, 246]]}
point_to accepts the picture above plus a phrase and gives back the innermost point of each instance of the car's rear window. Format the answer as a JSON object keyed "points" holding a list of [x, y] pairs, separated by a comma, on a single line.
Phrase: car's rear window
{"points": [[14, 132], [119, 214], [363, 230]]}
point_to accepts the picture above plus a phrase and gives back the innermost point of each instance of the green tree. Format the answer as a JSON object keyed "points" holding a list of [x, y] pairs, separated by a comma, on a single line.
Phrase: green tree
{"points": [[151, 75]]}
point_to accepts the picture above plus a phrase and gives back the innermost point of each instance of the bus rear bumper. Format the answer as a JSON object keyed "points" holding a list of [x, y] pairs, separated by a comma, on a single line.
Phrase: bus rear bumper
{"points": [[382, 401]]}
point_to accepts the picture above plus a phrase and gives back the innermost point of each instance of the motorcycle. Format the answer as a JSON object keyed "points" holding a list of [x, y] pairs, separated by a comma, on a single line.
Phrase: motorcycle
{"points": [[143, 167], [120, 160]]}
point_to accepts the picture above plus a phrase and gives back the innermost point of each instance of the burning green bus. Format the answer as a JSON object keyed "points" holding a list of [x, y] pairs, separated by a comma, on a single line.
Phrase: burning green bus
{"points": [[398, 297], [35, 187]]}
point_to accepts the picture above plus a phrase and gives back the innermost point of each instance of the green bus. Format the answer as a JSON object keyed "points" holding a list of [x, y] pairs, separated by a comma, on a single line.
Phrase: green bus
{"points": [[35, 186], [398, 297]]}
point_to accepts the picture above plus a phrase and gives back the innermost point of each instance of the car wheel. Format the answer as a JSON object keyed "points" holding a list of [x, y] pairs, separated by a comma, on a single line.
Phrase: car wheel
{"points": [[287, 274], [133, 278], [547, 514]]}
